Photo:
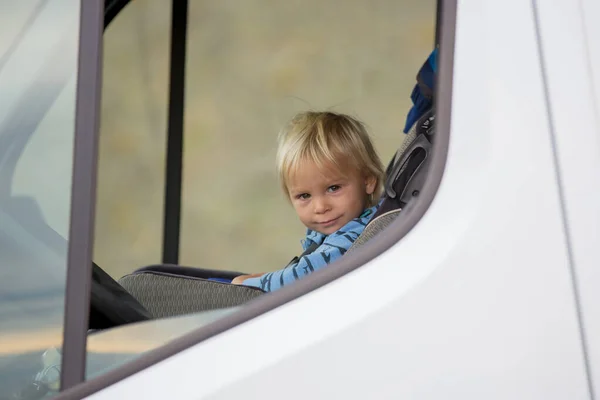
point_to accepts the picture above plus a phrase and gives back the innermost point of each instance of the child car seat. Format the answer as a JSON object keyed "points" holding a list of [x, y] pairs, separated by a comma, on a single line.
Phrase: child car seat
{"points": [[406, 175], [407, 171]]}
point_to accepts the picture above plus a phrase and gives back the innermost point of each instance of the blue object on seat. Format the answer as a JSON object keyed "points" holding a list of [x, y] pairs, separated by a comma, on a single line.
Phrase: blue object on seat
{"points": [[223, 280], [422, 94]]}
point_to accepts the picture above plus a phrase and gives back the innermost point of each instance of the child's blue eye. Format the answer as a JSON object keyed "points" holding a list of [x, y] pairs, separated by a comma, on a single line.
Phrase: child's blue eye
{"points": [[303, 196], [333, 188]]}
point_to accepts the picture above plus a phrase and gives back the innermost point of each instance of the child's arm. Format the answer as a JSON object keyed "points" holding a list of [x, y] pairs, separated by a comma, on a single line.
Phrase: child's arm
{"points": [[306, 264], [330, 250]]}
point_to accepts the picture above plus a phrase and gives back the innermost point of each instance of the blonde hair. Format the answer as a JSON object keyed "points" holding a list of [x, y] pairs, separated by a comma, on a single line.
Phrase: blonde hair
{"points": [[322, 137]]}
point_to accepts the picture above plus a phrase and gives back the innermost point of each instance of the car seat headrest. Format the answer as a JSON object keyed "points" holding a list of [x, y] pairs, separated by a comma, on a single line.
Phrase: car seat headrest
{"points": [[407, 171]]}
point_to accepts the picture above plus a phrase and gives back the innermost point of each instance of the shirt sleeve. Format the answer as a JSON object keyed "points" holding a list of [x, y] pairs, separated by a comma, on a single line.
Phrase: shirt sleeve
{"points": [[334, 246], [307, 264]]}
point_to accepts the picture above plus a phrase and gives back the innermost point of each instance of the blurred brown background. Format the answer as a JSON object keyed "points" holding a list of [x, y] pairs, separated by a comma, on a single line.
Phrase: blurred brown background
{"points": [[251, 65]]}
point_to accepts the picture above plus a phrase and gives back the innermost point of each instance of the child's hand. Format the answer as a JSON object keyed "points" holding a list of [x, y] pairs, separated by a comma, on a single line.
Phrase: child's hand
{"points": [[238, 280]]}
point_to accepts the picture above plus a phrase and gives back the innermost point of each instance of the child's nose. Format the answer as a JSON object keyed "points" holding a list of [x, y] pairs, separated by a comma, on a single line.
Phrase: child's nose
{"points": [[321, 205]]}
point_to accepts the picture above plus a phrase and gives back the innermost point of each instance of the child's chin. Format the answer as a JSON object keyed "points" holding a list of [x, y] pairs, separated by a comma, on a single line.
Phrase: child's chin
{"points": [[328, 230]]}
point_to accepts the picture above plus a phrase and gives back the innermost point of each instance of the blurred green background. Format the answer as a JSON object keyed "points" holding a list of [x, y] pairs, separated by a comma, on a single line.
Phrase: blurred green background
{"points": [[251, 65]]}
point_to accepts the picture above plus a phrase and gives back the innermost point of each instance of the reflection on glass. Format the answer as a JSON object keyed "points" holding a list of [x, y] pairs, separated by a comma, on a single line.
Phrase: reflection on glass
{"points": [[109, 349], [38, 65]]}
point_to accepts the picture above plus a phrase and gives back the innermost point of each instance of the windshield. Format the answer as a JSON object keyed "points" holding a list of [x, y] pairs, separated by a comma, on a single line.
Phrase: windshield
{"points": [[38, 65]]}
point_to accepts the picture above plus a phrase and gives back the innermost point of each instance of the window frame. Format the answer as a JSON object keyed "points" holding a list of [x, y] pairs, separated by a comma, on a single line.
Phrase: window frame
{"points": [[445, 30], [83, 194], [87, 53]]}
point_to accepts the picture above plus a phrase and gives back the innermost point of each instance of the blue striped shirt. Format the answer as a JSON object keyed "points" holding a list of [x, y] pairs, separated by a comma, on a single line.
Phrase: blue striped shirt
{"points": [[331, 247]]}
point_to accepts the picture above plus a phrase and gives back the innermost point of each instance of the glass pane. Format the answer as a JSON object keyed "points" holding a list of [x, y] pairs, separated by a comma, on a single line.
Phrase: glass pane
{"points": [[251, 66], [38, 68], [132, 137], [111, 348]]}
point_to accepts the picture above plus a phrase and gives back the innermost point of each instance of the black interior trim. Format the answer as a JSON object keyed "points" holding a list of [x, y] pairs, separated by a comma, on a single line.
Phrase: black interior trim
{"points": [[193, 272], [111, 9], [396, 231], [173, 173], [111, 305]]}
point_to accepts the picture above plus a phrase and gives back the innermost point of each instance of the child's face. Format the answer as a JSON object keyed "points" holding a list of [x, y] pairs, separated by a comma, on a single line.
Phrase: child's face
{"points": [[326, 199]]}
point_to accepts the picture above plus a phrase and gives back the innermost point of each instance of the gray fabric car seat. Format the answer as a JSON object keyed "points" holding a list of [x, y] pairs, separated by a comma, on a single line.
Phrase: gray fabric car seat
{"points": [[405, 177], [166, 295], [375, 227]]}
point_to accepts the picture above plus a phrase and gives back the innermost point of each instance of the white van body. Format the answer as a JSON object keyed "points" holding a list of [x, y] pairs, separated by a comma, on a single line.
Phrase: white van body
{"points": [[493, 294]]}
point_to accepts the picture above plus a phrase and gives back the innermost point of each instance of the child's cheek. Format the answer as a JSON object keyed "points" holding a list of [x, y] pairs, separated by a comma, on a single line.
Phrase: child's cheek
{"points": [[300, 204]]}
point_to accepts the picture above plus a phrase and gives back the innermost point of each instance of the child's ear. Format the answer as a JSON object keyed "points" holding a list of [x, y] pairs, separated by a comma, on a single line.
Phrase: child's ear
{"points": [[370, 183]]}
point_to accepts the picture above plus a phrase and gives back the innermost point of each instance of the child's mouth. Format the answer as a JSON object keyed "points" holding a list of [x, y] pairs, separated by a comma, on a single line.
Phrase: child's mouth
{"points": [[329, 223]]}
